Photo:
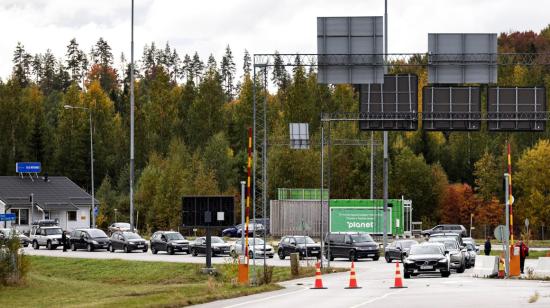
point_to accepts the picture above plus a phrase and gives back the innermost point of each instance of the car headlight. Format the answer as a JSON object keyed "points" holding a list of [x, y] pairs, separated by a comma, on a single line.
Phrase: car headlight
{"points": [[409, 261], [443, 260], [95, 243]]}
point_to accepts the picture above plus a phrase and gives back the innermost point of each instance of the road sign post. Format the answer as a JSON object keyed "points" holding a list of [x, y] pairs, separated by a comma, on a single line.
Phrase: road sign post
{"points": [[7, 217]]}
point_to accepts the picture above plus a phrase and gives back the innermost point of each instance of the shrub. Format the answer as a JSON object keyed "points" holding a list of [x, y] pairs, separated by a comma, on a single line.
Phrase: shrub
{"points": [[14, 265]]}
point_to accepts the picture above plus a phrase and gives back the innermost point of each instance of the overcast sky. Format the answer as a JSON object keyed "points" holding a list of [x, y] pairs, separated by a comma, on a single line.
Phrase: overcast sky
{"points": [[260, 26]]}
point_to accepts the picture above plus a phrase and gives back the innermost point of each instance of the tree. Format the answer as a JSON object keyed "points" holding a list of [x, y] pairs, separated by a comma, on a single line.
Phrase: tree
{"points": [[197, 66], [75, 57], [280, 75], [531, 185], [21, 64], [228, 72], [246, 62], [219, 158], [488, 179]]}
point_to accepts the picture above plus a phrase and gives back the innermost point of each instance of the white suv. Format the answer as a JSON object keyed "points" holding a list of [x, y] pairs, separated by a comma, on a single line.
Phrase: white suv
{"points": [[49, 236]]}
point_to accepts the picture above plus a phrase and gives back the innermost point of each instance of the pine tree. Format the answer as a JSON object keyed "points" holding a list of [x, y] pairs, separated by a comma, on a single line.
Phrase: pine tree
{"points": [[198, 67], [186, 71], [280, 75], [47, 80], [102, 53], [175, 63], [211, 65], [21, 64], [73, 61], [228, 72], [36, 67], [246, 62]]}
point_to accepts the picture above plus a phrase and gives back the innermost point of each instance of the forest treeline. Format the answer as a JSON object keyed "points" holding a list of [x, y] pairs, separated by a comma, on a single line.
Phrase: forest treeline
{"points": [[191, 135]]}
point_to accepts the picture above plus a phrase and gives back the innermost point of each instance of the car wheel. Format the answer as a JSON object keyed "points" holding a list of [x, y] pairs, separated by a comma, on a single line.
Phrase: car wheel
{"points": [[194, 252], [251, 255], [35, 245], [126, 249], [49, 245], [111, 248], [445, 274], [170, 250], [281, 254], [271, 257], [73, 247], [376, 258], [331, 256], [26, 245], [233, 254], [352, 256], [145, 249], [387, 257], [153, 251], [406, 275], [89, 248], [461, 269]]}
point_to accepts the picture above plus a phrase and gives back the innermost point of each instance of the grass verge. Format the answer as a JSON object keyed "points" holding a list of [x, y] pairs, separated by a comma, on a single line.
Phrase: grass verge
{"points": [[68, 282], [532, 254]]}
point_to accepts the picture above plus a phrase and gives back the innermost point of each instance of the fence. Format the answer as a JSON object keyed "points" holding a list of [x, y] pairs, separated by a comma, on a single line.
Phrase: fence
{"points": [[297, 217]]}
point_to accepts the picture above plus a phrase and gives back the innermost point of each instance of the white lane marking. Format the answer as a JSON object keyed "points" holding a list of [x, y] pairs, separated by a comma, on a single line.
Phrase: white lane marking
{"points": [[372, 300], [265, 298]]}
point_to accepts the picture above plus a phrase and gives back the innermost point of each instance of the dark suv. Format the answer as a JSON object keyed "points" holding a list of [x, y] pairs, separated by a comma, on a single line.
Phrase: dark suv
{"points": [[89, 239], [351, 246], [459, 229], [303, 245], [169, 241]]}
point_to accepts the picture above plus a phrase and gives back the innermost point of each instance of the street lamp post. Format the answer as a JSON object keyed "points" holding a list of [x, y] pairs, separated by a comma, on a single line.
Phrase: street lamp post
{"points": [[91, 156], [115, 215]]}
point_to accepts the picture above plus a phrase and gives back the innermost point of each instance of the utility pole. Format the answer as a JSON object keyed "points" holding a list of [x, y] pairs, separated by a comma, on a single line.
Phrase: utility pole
{"points": [[385, 184], [132, 122], [507, 235], [243, 183], [92, 167]]}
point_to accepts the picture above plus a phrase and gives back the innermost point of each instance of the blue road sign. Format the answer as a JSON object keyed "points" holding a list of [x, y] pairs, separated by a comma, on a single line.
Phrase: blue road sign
{"points": [[7, 217], [28, 167]]}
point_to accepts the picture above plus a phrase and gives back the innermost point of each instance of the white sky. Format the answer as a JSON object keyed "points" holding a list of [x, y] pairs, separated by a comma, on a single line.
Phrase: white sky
{"points": [[260, 26]]}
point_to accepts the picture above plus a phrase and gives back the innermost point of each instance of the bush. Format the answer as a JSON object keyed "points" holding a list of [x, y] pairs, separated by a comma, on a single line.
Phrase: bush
{"points": [[14, 265]]}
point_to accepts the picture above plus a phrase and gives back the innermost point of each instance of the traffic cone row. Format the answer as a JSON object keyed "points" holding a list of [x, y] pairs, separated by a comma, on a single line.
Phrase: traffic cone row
{"points": [[398, 283]]}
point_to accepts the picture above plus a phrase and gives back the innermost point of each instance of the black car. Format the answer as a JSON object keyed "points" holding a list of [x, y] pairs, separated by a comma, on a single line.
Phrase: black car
{"points": [[351, 246], [303, 245], [89, 239], [169, 241], [219, 246], [398, 250], [127, 241], [427, 258], [459, 229]]}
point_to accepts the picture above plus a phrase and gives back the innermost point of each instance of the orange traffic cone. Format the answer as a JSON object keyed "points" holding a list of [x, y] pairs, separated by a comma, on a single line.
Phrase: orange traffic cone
{"points": [[318, 280], [352, 279], [398, 281]]}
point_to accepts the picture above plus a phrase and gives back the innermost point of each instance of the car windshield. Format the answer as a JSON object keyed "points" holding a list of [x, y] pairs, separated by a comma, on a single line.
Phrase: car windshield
{"points": [[173, 236], [257, 241], [408, 244], [132, 236], [304, 240], [470, 247], [361, 238], [53, 231], [96, 233], [217, 240], [425, 250], [450, 245], [122, 225]]}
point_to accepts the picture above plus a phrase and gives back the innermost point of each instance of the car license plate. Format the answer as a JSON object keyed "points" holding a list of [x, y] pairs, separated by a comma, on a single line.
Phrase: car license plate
{"points": [[426, 267], [140, 246]]}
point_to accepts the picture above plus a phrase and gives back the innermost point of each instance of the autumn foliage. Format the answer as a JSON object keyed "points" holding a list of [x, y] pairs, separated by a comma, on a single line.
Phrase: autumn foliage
{"points": [[459, 202]]}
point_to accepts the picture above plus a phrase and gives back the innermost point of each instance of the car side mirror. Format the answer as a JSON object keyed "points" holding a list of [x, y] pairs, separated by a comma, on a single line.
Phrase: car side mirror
{"points": [[399, 248]]}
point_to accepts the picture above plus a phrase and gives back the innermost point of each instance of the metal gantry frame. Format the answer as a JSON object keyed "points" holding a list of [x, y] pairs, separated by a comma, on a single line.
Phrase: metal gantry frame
{"points": [[262, 62]]}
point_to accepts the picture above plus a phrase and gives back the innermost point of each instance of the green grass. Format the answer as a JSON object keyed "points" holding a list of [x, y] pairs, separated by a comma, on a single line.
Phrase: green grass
{"points": [[532, 243], [68, 282], [532, 254]]}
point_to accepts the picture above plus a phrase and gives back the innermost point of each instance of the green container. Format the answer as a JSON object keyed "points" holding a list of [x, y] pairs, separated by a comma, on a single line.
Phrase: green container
{"points": [[301, 194], [366, 215]]}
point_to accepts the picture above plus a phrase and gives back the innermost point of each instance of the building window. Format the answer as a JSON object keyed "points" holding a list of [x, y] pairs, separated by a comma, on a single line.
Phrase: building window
{"points": [[21, 216], [71, 215]]}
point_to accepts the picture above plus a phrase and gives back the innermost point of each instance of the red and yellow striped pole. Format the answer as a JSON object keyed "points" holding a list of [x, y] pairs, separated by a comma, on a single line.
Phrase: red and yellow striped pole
{"points": [[510, 196], [247, 212]]}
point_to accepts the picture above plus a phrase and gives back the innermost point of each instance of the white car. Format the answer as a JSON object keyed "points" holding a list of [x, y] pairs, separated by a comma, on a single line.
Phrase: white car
{"points": [[255, 248]]}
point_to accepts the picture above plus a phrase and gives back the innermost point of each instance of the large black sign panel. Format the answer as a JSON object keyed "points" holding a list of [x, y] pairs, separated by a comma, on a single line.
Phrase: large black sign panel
{"points": [[204, 211], [451, 108], [392, 105], [516, 109]]}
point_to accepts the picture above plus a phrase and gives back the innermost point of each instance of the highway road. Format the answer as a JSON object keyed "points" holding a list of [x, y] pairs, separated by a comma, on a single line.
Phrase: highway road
{"points": [[375, 278]]}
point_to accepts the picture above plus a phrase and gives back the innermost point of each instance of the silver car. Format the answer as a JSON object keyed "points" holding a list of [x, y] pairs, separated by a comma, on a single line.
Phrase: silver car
{"points": [[471, 254], [255, 248], [456, 253]]}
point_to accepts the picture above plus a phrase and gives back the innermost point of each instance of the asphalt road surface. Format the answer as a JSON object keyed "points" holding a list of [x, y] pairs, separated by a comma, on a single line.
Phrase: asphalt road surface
{"points": [[375, 278]]}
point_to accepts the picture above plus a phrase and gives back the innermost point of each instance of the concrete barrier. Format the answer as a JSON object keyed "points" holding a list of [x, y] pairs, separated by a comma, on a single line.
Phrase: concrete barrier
{"points": [[486, 266], [542, 270]]}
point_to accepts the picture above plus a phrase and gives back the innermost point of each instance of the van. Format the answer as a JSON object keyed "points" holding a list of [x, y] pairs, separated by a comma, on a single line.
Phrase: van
{"points": [[351, 246]]}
